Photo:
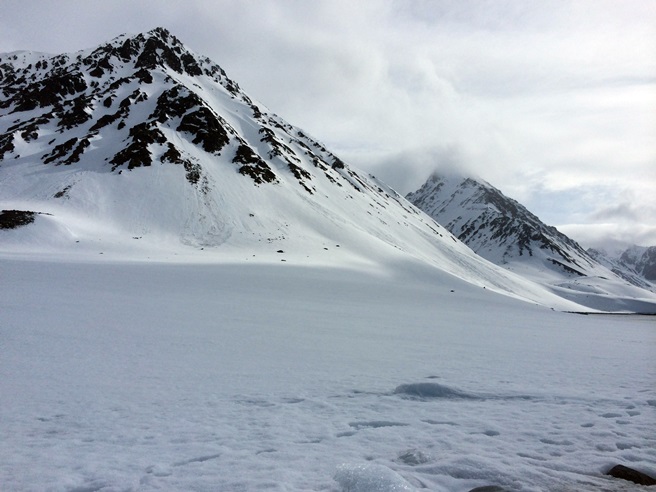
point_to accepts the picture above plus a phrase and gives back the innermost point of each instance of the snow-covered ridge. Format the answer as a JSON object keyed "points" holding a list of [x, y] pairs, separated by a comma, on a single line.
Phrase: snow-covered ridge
{"points": [[497, 227]]}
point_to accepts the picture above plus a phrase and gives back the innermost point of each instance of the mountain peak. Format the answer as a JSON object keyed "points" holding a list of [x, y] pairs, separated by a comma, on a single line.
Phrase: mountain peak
{"points": [[154, 48], [131, 84], [494, 225]]}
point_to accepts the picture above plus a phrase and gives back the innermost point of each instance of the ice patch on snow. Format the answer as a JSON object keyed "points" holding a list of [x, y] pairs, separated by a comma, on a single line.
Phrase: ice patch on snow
{"points": [[430, 390], [370, 478], [414, 457]]}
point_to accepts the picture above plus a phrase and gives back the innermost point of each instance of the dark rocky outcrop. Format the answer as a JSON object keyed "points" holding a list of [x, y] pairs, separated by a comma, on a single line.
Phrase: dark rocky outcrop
{"points": [[206, 129], [137, 153], [59, 151], [11, 219], [260, 173], [6, 144], [253, 165], [47, 92]]}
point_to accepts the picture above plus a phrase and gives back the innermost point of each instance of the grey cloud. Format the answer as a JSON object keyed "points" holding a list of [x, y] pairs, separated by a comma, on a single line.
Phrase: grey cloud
{"points": [[621, 211], [409, 169]]}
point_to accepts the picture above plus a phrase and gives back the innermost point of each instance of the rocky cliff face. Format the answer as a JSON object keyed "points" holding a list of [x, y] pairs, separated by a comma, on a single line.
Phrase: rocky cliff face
{"points": [[642, 260]]}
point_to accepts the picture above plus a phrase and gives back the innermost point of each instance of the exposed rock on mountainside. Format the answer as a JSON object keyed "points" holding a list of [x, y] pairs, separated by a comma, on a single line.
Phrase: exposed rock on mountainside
{"points": [[642, 260], [11, 219]]}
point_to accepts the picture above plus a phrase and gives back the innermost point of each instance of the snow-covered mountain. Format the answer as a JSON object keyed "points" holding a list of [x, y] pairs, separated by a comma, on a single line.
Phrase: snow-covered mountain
{"points": [[636, 264], [141, 147], [642, 260], [503, 231], [148, 139]]}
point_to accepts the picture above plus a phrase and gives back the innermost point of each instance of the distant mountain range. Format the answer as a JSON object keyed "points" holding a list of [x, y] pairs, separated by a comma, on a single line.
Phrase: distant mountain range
{"points": [[636, 264], [141, 147], [504, 232]]}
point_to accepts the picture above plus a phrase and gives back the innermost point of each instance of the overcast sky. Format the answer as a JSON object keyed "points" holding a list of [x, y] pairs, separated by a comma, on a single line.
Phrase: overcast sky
{"points": [[553, 102]]}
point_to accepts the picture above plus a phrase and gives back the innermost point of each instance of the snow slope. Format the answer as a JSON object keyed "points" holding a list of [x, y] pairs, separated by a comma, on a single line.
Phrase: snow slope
{"points": [[504, 232], [170, 376]]}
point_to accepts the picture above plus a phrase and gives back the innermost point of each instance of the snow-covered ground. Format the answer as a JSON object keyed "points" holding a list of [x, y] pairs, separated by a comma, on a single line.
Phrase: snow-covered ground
{"points": [[137, 375]]}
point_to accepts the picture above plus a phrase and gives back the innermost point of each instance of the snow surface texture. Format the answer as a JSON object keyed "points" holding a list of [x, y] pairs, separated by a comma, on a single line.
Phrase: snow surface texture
{"points": [[504, 232], [161, 376]]}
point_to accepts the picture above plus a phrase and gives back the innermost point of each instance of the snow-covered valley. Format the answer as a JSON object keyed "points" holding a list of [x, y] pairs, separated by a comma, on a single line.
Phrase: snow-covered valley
{"points": [[136, 375]]}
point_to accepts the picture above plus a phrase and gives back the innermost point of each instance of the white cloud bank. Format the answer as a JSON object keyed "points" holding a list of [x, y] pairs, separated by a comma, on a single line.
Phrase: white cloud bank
{"points": [[552, 102]]}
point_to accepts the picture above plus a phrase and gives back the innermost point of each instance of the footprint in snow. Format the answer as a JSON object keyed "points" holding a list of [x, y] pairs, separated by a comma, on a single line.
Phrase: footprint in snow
{"points": [[199, 459], [375, 424]]}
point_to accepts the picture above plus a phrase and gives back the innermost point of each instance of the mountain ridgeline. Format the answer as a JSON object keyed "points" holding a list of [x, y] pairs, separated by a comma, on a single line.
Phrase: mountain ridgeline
{"points": [[636, 264]]}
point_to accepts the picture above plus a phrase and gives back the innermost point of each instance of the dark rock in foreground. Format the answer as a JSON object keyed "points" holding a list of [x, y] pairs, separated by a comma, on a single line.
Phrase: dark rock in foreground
{"points": [[626, 473]]}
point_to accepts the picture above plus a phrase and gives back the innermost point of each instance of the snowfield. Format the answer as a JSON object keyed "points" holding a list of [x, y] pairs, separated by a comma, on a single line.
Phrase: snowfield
{"points": [[229, 376]]}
